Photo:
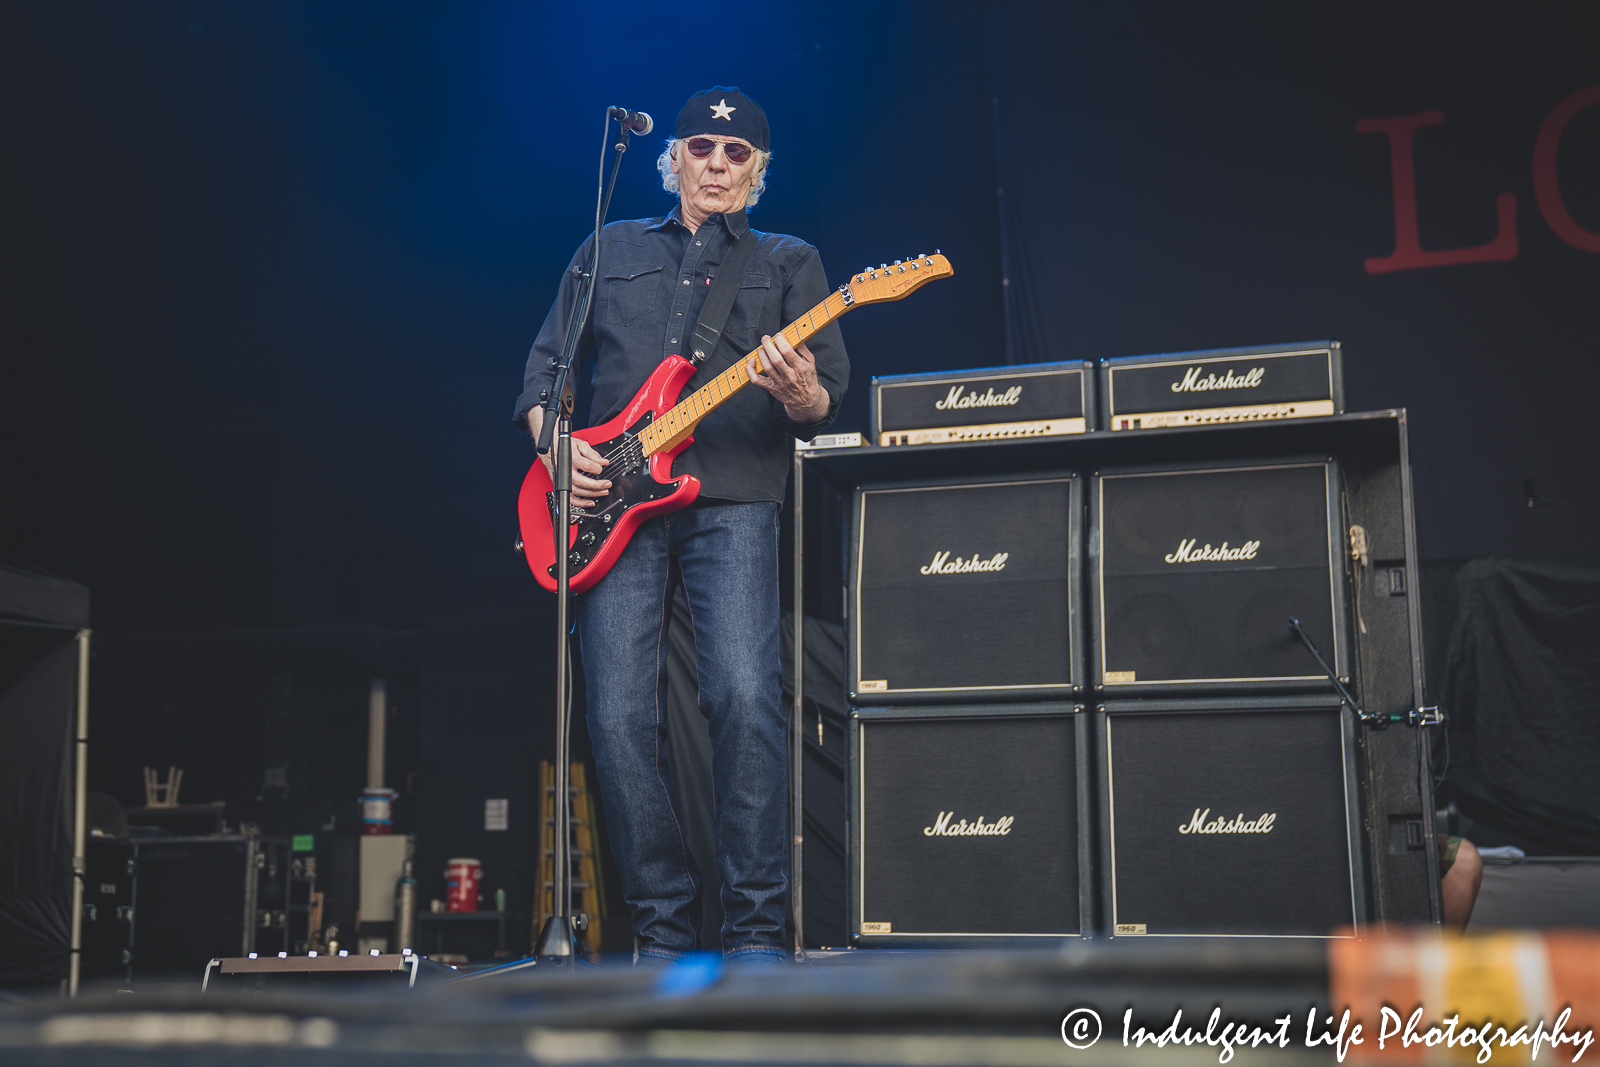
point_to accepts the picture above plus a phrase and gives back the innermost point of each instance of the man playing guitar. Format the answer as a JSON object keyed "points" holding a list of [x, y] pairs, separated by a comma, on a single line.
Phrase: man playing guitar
{"points": [[654, 277]]}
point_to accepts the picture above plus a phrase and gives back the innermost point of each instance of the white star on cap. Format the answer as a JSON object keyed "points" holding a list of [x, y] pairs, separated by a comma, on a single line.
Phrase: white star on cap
{"points": [[721, 110]]}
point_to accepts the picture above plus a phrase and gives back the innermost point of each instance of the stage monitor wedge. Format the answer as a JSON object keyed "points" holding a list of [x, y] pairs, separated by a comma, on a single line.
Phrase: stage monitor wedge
{"points": [[1195, 571], [969, 825], [1230, 817], [966, 590], [1225, 385]]}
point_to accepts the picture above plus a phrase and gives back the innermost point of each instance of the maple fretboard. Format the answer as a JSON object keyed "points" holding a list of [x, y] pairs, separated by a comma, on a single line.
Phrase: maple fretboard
{"points": [[679, 423]]}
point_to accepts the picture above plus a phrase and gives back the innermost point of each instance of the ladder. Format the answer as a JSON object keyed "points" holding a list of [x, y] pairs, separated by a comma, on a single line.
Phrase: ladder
{"points": [[588, 905]]}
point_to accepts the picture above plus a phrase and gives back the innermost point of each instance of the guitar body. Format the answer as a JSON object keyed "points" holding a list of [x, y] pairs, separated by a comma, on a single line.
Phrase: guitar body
{"points": [[640, 488], [641, 443]]}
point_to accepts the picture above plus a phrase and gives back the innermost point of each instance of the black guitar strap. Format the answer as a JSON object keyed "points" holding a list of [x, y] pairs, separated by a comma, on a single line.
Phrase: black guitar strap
{"points": [[719, 301]]}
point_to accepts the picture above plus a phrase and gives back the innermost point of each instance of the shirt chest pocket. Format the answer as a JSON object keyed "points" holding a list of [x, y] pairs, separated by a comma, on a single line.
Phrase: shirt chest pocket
{"points": [[748, 305], [632, 293]]}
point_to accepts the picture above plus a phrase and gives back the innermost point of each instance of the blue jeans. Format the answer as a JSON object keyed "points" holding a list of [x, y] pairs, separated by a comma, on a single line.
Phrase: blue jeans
{"points": [[728, 556]]}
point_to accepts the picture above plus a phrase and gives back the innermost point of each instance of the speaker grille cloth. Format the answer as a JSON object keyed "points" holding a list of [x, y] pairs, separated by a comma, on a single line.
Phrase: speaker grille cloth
{"points": [[1021, 882], [1169, 614], [1008, 626], [1168, 769]]}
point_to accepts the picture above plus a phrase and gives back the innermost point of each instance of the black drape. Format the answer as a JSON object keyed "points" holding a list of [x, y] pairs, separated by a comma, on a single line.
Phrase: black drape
{"points": [[39, 615], [1514, 658]]}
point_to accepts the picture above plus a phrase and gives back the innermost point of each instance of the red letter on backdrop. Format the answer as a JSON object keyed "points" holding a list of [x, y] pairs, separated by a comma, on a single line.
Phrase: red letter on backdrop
{"points": [[1546, 189], [1408, 252]]}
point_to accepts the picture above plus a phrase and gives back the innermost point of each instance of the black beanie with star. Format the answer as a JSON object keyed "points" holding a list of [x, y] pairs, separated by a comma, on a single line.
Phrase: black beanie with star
{"points": [[724, 111]]}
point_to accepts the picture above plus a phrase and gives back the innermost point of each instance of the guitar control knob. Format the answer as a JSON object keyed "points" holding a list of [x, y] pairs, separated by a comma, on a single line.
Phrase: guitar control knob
{"points": [[575, 559], [586, 539], [517, 548]]}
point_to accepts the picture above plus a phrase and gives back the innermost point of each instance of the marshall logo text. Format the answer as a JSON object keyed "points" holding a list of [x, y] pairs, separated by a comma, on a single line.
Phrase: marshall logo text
{"points": [[943, 564], [955, 401], [1197, 824], [1193, 383], [943, 827], [1187, 553]]}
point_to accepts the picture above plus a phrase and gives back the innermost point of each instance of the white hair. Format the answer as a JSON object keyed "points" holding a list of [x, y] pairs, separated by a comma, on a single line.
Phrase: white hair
{"points": [[669, 180]]}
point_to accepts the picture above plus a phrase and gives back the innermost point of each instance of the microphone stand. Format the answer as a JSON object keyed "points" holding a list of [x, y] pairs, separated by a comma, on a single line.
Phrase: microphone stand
{"points": [[556, 947], [1428, 716]]}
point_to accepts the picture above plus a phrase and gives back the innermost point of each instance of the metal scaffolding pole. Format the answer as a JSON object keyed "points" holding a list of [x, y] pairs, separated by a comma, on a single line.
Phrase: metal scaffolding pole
{"points": [[80, 806]]}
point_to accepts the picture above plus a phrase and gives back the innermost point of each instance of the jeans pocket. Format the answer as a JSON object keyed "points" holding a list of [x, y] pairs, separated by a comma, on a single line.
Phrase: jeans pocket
{"points": [[632, 292]]}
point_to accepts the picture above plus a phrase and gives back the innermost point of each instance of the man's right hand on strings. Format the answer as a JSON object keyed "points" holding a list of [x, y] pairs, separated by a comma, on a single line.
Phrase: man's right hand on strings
{"points": [[587, 485]]}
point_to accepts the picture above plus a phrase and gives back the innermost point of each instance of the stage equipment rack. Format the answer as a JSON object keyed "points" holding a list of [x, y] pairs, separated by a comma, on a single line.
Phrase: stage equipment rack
{"points": [[1395, 780], [162, 906]]}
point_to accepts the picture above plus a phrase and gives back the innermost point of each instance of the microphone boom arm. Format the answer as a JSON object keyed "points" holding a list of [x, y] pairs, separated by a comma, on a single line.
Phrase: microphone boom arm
{"points": [[1426, 716]]}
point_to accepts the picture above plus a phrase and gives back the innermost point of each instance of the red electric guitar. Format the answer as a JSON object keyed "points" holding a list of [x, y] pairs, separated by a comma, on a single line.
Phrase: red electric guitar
{"points": [[641, 443]]}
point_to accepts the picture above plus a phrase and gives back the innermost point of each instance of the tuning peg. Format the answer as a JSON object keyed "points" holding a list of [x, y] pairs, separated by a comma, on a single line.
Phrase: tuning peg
{"points": [[897, 262], [883, 266], [922, 255]]}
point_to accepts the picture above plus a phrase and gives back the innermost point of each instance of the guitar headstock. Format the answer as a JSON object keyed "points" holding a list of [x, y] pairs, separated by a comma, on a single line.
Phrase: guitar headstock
{"points": [[891, 281]]}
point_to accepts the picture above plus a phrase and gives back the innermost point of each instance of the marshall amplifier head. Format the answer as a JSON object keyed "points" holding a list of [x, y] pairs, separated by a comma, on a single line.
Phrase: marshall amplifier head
{"points": [[1229, 817], [969, 824], [1222, 385], [965, 590], [1196, 570], [988, 404]]}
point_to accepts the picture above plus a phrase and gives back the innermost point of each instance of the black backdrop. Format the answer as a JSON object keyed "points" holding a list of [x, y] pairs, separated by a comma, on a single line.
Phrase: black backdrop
{"points": [[1179, 176], [270, 272]]}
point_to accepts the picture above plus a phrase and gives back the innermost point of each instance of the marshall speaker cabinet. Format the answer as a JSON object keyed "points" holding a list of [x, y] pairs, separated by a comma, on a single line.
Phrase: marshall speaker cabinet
{"points": [[993, 403], [1229, 817], [1223, 385], [966, 590], [1195, 572], [968, 824]]}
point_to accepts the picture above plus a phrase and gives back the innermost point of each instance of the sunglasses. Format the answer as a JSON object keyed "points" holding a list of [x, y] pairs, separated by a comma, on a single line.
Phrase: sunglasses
{"points": [[701, 147]]}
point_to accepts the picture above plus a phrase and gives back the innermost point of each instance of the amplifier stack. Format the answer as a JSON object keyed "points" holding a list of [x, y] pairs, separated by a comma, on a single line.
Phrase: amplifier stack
{"points": [[1079, 709]]}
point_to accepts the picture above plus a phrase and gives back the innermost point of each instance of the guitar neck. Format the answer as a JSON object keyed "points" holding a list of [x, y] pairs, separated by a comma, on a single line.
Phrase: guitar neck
{"points": [[677, 424]]}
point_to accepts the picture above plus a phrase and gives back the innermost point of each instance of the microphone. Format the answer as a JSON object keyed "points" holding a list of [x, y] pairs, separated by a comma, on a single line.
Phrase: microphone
{"points": [[637, 121]]}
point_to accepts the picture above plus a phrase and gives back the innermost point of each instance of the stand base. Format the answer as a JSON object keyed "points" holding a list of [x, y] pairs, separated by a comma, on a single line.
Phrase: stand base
{"points": [[556, 948]]}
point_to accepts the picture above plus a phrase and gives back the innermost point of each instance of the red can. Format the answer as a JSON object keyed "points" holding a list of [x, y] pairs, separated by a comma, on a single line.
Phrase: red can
{"points": [[461, 879]]}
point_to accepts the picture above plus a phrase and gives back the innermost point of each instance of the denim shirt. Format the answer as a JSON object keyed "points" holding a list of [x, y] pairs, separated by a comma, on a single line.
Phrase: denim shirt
{"points": [[653, 280]]}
